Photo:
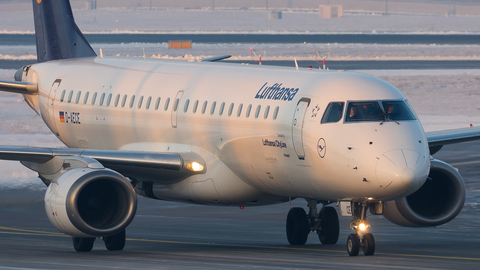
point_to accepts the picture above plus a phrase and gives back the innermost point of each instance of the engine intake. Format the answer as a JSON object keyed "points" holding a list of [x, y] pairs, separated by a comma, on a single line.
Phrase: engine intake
{"points": [[437, 202], [90, 202]]}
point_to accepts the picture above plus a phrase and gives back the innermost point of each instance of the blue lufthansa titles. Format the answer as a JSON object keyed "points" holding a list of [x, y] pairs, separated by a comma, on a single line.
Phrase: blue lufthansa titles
{"points": [[276, 92]]}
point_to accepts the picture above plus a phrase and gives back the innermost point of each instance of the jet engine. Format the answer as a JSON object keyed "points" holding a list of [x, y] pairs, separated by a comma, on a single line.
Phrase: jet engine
{"points": [[437, 202], [87, 202]]}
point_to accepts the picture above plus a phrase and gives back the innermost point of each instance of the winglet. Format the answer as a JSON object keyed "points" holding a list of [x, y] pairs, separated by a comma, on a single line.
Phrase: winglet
{"points": [[19, 87]]}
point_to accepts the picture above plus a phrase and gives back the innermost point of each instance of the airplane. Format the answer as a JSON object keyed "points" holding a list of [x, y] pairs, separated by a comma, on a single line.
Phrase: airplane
{"points": [[224, 134]]}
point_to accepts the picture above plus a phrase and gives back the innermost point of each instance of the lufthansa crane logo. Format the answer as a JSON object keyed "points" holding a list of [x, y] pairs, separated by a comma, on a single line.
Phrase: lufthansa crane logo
{"points": [[39, 1], [321, 148]]}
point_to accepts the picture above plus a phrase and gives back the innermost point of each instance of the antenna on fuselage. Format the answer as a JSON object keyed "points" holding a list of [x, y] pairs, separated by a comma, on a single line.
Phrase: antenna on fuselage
{"points": [[296, 64], [101, 53], [144, 55]]}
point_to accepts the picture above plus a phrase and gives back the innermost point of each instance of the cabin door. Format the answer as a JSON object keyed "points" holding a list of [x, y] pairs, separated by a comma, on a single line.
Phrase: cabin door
{"points": [[297, 126], [176, 108], [51, 109]]}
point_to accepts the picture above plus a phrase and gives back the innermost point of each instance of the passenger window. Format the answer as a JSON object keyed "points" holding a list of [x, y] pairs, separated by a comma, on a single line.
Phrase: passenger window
{"points": [[249, 110], [132, 101], [230, 110], [175, 106], [195, 106], [204, 108], [257, 112], [62, 97], [266, 112], [220, 112], [398, 110], [364, 111], [157, 104], [70, 96], [167, 102], [140, 102], [275, 113], [239, 112], [212, 110], [102, 97], [186, 105], [148, 103], [333, 113], [109, 99], [85, 100], [124, 100], [117, 99], [78, 97], [94, 98]]}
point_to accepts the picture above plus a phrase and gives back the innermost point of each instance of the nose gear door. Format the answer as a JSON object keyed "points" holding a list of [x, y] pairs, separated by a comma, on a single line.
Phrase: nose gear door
{"points": [[297, 127]]}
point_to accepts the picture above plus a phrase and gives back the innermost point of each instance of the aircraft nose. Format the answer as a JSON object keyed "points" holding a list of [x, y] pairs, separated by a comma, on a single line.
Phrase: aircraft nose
{"points": [[402, 170]]}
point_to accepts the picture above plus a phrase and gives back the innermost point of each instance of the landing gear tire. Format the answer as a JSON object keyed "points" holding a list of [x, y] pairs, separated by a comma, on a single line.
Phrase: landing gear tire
{"points": [[116, 241], [330, 227], [368, 244], [353, 245], [298, 226], [82, 244]]}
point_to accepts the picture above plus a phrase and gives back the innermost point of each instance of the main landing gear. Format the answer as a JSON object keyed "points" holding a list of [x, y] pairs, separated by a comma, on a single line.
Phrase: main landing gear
{"points": [[360, 238], [325, 223], [113, 242]]}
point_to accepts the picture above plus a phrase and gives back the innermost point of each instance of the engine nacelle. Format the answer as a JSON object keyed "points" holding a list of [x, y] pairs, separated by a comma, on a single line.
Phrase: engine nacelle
{"points": [[88, 202], [437, 202]]}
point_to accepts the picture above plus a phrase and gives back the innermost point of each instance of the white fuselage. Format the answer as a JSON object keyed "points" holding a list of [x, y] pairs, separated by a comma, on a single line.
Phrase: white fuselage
{"points": [[285, 152]]}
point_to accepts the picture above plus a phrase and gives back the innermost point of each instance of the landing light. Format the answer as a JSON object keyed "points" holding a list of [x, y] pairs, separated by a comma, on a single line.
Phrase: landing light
{"points": [[362, 226], [195, 166]]}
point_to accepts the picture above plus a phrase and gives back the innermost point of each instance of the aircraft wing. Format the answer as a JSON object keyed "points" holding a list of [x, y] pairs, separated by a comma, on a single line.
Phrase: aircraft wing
{"points": [[18, 87], [437, 139], [130, 164]]}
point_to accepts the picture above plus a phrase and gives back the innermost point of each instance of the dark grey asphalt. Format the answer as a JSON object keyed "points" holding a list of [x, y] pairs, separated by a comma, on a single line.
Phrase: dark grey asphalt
{"points": [[29, 39], [167, 235]]}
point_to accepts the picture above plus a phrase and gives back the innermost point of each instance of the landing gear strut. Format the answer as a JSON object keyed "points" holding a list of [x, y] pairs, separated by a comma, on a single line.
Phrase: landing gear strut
{"points": [[360, 238], [299, 224]]}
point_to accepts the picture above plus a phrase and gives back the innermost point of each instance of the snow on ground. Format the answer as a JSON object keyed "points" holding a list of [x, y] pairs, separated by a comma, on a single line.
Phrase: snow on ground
{"points": [[300, 51], [243, 21], [443, 99]]}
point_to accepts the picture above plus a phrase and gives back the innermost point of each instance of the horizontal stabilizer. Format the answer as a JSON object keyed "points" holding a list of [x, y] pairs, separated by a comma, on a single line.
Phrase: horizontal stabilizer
{"points": [[18, 87]]}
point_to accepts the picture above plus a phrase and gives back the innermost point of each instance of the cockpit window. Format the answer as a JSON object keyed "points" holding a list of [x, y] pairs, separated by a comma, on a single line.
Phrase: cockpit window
{"points": [[364, 111], [333, 113], [397, 110]]}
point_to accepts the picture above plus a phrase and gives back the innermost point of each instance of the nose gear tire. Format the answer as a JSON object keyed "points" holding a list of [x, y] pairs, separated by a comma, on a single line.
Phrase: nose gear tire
{"points": [[353, 245], [368, 244]]}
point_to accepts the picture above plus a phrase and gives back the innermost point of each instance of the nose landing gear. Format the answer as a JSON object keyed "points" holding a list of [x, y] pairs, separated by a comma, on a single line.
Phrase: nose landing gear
{"points": [[360, 238]]}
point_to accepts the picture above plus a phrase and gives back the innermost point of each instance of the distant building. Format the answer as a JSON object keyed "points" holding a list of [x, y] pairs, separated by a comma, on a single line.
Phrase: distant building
{"points": [[330, 11], [275, 15]]}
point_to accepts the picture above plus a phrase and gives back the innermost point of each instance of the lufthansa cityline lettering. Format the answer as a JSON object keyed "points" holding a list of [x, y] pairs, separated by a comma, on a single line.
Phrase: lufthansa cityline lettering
{"points": [[276, 92]]}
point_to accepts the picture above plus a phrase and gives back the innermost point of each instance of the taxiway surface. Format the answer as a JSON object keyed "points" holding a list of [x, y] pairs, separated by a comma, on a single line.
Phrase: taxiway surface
{"points": [[166, 235]]}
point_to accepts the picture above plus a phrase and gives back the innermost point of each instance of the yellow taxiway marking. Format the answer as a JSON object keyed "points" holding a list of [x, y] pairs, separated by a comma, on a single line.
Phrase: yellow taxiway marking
{"points": [[465, 163], [8, 230]]}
